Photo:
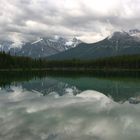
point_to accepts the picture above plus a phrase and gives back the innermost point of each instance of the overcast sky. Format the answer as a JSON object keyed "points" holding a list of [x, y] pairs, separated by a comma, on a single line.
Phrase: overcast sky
{"points": [[89, 20]]}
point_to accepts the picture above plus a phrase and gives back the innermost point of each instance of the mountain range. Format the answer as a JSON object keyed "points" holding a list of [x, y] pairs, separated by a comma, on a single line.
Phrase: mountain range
{"points": [[60, 48], [42, 47], [119, 43]]}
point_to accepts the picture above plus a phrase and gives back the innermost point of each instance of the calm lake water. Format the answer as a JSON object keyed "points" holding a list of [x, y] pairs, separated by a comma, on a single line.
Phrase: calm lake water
{"points": [[69, 106]]}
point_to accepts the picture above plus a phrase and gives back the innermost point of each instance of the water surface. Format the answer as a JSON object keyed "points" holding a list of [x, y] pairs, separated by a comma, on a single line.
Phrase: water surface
{"points": [[60, 106]]}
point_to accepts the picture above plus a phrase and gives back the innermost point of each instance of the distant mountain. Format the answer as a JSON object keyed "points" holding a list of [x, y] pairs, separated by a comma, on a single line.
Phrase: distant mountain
{"points": [[119, 43], [42, 47], [5, 45]]}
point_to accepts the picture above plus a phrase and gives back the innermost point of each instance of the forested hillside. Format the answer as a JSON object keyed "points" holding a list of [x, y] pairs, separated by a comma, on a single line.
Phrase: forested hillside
{"points": [[119, 62]]}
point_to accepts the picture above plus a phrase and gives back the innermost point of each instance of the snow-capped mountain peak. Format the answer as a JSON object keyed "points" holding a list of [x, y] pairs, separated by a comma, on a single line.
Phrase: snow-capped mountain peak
{"points": [[41, 47], [118, 35], [73, 42]]}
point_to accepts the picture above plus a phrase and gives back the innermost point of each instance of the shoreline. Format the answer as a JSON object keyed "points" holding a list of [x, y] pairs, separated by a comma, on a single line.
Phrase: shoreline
{"points": [[71, 70]]}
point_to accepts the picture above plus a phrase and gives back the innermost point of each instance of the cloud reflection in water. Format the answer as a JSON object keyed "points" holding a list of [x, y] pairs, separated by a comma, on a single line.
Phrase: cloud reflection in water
{"points": [[89, 115]]}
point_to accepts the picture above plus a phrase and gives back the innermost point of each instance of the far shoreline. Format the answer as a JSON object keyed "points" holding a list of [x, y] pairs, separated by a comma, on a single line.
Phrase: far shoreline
{"points": [[70, 69]]}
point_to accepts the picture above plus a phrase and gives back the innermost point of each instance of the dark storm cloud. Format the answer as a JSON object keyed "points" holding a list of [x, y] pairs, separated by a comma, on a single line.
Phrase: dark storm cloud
{"points": [[90, 20]]}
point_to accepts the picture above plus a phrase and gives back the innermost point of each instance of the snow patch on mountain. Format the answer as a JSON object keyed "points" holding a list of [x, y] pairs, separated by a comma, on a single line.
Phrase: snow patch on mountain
{"points": [[16, 45], [135, 33], [37, 41], [69, 43], [56, 37], [73, 42]]}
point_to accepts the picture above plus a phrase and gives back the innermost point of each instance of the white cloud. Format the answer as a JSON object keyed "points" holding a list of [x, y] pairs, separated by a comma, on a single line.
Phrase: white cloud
{"points": [[90, 20]]}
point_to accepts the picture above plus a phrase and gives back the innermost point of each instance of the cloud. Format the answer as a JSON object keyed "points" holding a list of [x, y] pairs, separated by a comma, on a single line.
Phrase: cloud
{"points": [[89, 20]]}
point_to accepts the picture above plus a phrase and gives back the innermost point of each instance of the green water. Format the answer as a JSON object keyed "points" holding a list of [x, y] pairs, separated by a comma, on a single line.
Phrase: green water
{"points": [[118, 86]]}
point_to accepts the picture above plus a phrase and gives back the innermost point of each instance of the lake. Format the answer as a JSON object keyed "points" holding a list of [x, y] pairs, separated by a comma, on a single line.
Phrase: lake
{"points": [[70, 105]]}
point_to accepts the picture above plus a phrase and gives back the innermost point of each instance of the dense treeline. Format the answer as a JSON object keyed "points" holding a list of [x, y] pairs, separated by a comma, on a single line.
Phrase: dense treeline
{"points": [[119, 62], [17, 62]]}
